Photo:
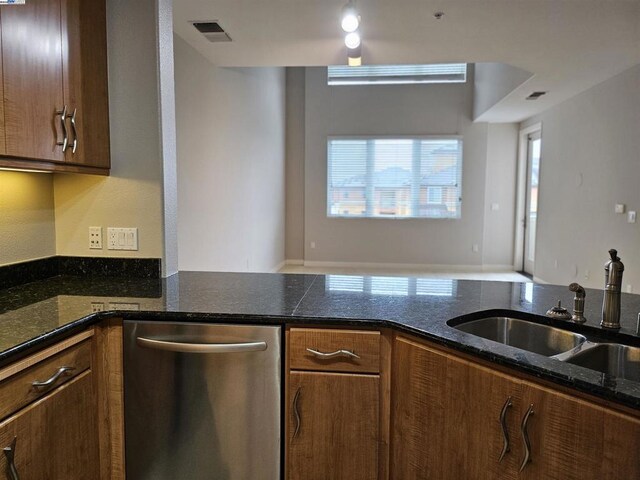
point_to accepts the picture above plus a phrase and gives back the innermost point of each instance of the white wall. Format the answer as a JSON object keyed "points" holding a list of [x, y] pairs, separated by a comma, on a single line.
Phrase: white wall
{"points": [[294, 222], [402, 110], [27, 222], [590, 162], [500, 193], [493, 82], [231, 164]]}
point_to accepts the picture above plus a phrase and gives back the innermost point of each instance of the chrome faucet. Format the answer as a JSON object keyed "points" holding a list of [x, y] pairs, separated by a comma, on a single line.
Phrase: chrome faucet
{"points": [[578, 303], [614, 269]]}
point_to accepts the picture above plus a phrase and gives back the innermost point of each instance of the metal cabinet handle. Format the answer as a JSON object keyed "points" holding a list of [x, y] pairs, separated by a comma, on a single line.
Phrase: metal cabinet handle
{"points": [[56, 376], [525, 438], [296, 412], [74, 130], [505, 430], [9, 452], [65, 136], [337, 353], [181, 347]]}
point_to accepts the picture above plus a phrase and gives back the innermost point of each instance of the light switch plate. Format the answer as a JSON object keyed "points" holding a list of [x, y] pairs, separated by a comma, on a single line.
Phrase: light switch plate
{"points": [[631, 217], [122, 238]]}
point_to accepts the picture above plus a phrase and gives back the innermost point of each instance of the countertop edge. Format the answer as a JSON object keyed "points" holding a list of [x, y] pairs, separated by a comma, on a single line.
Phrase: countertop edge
{"points": [[26, 348]]}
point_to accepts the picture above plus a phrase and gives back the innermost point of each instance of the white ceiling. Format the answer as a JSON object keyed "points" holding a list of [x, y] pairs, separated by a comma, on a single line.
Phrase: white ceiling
{"points": [[569, 45]]}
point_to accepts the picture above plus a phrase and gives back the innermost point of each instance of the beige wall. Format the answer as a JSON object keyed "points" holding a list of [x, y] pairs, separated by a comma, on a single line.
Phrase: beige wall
{"points": [[132, 195], [231, 164], [402, 110], [27, 223], [590, 162]]}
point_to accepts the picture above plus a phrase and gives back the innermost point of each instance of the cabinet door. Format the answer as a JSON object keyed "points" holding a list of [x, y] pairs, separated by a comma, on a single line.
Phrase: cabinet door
{"points": [[333, 426], [574, 439], [32, 73], [3, 148], [56, 437], [446, 417], [84, 60]]}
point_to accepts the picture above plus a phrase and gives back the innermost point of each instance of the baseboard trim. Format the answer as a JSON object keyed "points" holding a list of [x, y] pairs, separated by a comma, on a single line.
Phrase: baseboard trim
{"points": [[409, 266], [297, 262], [278, 267]]}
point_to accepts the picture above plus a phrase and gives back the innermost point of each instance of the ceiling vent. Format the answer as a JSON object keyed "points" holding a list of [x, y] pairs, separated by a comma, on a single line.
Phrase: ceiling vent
{"points": [[212, 31], [535, 95]]}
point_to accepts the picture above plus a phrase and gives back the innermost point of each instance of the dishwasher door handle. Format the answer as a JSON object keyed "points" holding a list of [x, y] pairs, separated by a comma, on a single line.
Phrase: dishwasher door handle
{"points": [[182, 347]]}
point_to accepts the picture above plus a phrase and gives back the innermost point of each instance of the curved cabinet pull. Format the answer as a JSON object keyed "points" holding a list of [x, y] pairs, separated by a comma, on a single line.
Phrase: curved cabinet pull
{"points": [[296, 412], [74, 144], [54, 378], [505, 431], [336, 354], [63, 126], [182, 347], [525, 438], [9, 452]]}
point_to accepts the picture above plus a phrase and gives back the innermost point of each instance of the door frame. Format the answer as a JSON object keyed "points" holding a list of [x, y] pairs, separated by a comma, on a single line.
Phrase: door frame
{"points": [[521, 193]]}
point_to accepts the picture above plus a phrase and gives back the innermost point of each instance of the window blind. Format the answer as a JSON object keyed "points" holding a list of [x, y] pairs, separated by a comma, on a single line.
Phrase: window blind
{"points": [[397, 74], [394, 178]]}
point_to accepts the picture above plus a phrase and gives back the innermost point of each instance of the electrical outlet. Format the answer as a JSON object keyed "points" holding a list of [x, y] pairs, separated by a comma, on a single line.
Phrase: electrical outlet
{"points": [[475, 248], [313, 244], [124, 306], [95, 238], [122, 238], [97, 307]]}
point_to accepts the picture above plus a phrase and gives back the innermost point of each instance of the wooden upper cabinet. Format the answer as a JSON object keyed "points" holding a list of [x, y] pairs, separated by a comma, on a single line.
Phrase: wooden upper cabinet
{"points": [[55, 62], [333, 426], [84, 60], [3, 147], [32, 75]]}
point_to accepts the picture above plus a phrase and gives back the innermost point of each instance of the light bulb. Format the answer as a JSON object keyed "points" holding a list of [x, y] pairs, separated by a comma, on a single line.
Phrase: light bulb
{"points": [[352, 40], [350, 21]]}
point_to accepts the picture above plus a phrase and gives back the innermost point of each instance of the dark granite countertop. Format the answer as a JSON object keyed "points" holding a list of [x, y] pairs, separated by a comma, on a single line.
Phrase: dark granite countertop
{"points": [[40, 313]]}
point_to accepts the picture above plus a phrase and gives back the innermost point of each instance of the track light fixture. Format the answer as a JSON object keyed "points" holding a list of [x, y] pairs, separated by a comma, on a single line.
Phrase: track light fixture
{"points": [[350, 23], [352, 40], [350, 18]]}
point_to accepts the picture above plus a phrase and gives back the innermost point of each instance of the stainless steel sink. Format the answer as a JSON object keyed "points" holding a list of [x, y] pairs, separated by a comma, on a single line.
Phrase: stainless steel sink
{"points": [[529, 336], [610, 358]]}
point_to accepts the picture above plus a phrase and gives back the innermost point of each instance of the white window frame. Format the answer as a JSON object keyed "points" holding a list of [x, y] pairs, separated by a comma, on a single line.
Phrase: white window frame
{"points": [[385, 75], [394, 137]]}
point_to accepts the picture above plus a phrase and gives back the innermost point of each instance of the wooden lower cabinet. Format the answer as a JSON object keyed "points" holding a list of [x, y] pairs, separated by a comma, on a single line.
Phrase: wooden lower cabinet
{"points": [[333, 426], [446, 417], [56, 437], [575, 439]]}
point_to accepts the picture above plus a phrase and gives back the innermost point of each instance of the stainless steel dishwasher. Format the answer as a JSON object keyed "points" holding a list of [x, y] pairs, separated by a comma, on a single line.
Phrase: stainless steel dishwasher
{"points": [[202, 401]]}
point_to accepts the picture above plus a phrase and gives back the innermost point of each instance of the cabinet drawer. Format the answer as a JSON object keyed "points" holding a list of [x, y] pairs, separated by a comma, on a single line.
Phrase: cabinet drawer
{"points": [[18, 390], [335, 350]]}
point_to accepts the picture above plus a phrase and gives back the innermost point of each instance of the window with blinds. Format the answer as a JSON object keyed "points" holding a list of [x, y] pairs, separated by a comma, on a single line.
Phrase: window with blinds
{"points": [[397, 74], [416, 177]]}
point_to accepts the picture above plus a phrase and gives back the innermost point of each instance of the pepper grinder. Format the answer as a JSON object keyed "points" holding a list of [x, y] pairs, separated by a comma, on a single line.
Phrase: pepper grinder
{"points": [[613, 269]]}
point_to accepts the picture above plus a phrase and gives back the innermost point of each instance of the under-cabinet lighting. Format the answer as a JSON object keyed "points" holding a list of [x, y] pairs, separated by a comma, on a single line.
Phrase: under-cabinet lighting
{"points": [[27, 170]]}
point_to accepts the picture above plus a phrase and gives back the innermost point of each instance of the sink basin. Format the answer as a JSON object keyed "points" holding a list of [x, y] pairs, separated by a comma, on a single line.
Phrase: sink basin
{"points": [[610, 358], [529, 336]]}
